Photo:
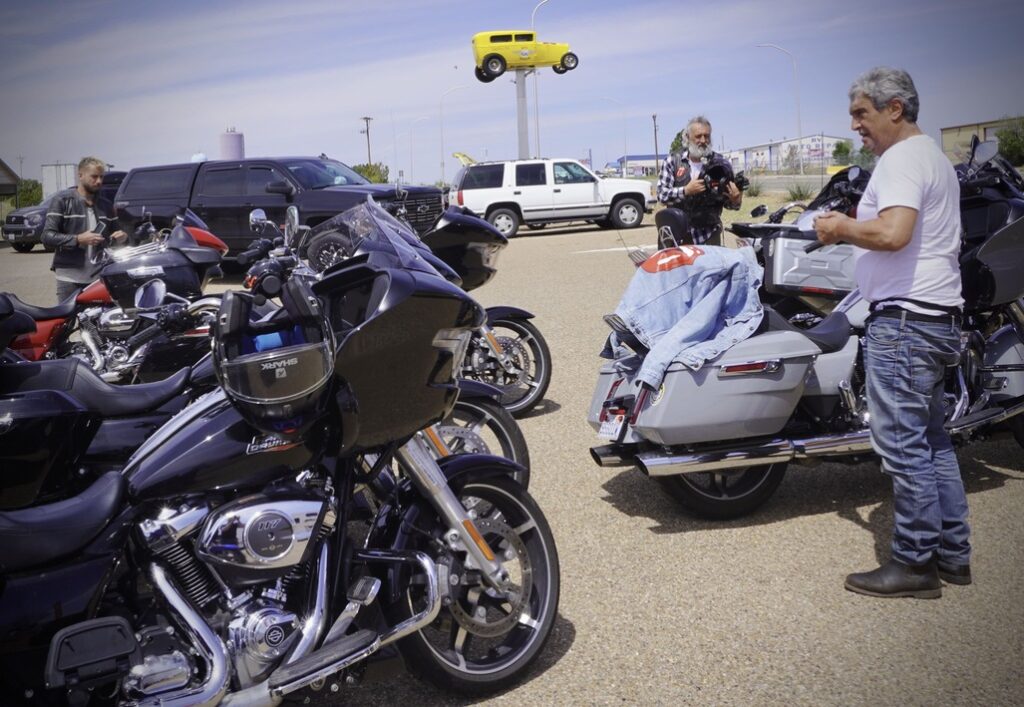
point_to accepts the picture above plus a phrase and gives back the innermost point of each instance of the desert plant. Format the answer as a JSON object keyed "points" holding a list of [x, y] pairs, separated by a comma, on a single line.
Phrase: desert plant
{"points": [[799, 192], [754, 188]]}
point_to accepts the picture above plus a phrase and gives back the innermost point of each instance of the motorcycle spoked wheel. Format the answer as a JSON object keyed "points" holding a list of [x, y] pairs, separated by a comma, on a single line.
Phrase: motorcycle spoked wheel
{"points": [[480, 426], [726, 494], [482, 642], [526, 385]]}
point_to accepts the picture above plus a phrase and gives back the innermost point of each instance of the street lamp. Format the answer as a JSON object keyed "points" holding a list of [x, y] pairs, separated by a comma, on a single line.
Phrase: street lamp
{"points": [[411, 134], [536, 78], [796, 89], [366, 119], [625, 148], [440, 113]]}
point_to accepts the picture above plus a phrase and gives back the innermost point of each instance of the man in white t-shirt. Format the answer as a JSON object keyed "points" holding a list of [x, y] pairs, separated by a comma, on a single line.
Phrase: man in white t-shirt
{"points": [[909, 222]]}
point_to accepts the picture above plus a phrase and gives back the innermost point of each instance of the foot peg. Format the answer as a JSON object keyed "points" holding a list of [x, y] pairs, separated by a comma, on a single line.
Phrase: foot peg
{"points": [[360, 594]]}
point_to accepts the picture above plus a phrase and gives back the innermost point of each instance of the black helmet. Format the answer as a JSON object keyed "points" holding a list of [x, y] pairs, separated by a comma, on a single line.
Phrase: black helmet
{"points": [[719, 172], [276, 370]]}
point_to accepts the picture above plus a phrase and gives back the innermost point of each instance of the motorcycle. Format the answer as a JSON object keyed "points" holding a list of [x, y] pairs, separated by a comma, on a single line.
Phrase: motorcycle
{"points": [[719, 439], [508, 350], [100, 323], [218, 567]]}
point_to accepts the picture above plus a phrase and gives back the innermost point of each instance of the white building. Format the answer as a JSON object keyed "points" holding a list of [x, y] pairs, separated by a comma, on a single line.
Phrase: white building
{"points": [[784, 154]]}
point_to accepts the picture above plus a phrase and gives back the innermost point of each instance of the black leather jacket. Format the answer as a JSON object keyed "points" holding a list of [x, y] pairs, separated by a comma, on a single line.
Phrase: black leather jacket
{"points": [[65, 220]]}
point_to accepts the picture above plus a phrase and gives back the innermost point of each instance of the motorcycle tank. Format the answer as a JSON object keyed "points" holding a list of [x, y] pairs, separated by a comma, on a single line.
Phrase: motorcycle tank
{"points": [[993, 272], [209, 448], [468, 245], [401, 339], [171, 266], [33, 472]]}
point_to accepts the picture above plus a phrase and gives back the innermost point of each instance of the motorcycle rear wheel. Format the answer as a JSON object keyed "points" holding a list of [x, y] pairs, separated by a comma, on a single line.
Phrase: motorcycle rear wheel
{"points": [[724, 495], [481, 426], [481, 643]]}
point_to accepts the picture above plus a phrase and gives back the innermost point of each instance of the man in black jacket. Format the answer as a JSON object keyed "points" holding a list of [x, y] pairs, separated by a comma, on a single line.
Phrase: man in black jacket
{"points": [[679, 186], [78, 220]]}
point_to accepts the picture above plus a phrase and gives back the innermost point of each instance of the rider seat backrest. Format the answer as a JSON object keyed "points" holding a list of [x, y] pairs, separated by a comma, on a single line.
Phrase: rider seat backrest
{"points": [[673, 224]]}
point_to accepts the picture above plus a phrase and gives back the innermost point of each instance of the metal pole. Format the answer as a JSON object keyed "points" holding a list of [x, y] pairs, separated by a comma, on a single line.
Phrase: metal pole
{"points": [[796, 89], [521, 119], [366, 119], [657, 169]]}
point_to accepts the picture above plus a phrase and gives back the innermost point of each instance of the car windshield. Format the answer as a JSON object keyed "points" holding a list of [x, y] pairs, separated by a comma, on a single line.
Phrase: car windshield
{"points": [[317, 174]]}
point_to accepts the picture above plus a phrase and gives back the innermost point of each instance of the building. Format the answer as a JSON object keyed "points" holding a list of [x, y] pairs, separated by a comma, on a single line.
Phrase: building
{"points": [[638, 165], [778, 155], [956, 140]]}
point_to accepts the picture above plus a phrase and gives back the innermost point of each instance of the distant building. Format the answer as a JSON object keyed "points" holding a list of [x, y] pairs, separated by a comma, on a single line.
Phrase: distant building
{"points": [[784, 154], [956, 140], [638, 165]]}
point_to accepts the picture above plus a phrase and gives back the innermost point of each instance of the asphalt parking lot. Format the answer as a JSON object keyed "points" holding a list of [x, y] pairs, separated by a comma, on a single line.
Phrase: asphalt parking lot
{"points": [[658, 607]]}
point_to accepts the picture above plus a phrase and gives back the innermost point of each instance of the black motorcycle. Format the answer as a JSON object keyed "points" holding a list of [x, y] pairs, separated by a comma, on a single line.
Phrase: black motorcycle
{"points": [[508, 350], [219, 564]]}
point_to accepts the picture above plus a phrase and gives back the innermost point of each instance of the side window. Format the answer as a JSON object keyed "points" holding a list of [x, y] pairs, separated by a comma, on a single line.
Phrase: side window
{"points": [[500, 38], [524, 37], [530, 175], [159, 182], [570, 173], [257, 178], [485, 176], [223, 182]]}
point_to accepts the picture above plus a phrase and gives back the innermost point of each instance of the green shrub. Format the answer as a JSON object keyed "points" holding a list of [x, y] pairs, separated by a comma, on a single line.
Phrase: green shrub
{"points": [[754, 188], [799, 192]]}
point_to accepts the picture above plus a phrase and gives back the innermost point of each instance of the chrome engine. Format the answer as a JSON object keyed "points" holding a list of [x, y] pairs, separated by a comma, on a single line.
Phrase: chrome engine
{"points": [[259, 635]]}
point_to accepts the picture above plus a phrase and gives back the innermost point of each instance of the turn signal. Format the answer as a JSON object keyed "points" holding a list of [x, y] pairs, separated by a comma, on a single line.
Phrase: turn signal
{"points": [[478, 539]]}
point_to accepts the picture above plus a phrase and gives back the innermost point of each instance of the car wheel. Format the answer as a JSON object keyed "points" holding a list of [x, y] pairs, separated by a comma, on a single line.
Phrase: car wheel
{"points": [[494, 65], [570, 61], [22, 247], [627, 213], [483, 75], [559, 69], [505, 220]]}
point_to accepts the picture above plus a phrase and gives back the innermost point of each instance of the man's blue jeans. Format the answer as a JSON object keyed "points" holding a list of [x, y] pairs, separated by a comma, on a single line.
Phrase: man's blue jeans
{"points": [[905, 362]]}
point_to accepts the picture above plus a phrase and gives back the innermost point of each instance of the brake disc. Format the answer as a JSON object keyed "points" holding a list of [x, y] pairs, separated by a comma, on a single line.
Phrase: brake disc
{"points": [[486, 618], [471, 441], [519, 354]]}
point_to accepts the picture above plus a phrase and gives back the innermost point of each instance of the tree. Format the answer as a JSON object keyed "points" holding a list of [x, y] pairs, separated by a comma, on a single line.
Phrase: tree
{"points": [[864, 158], [841, 152], [1011, 141], [678, 142], [30, 192], [376, 172]]}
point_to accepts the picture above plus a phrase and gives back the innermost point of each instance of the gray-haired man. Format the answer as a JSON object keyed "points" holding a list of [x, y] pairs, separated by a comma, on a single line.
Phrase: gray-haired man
{"points": [[909, 221]]}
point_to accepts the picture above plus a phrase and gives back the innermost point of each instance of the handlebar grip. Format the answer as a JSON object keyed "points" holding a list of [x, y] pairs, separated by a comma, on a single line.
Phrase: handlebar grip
{"points": [[144, 336], [981, 183], [248, 257]]}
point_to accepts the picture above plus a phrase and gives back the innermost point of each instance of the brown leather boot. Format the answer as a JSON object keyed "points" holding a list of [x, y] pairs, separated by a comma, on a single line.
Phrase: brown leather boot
{"points": [[895, 579]]}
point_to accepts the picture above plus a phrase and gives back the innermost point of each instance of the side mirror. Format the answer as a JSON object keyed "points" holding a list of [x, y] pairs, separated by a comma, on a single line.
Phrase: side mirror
{"points": [[759, 211], [283, 188], [151, 294], [853, 173], [291, 224], [984, 152], [257, 217]]}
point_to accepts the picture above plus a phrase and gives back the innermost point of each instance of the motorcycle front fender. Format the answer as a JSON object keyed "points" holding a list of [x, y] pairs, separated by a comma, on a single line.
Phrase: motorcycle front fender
{"points": [[469, 389], [504, 312]]}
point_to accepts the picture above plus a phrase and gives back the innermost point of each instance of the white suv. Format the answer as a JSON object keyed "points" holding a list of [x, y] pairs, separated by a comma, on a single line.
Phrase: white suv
{"points": [[542, 191]]}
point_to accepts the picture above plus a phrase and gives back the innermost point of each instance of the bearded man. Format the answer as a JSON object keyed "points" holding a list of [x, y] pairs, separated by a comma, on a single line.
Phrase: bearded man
{"points": [[681, 187]]}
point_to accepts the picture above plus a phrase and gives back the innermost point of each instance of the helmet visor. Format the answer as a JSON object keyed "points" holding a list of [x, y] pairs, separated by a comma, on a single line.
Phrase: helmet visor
{"points": [[279, 375]]}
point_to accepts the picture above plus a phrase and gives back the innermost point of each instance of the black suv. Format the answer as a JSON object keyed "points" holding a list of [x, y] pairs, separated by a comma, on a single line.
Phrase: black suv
{"points": [[223, 192], [23, 227]]}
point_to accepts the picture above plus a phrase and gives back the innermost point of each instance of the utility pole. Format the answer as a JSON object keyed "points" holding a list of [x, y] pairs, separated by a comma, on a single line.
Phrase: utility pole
{"points": [[366, 119], [657, 167]]}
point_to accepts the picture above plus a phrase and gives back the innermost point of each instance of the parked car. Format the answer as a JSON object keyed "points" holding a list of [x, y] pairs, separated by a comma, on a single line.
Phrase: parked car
{"points": [[222, 193], [498, 50], [539, 192], [23, 228]]}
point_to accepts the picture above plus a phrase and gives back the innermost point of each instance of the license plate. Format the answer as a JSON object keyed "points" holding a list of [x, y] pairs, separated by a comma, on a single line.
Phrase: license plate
{"points": [[611, 427]]}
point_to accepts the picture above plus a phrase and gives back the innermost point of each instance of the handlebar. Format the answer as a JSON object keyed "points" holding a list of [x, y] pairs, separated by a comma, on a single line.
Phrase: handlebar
{"points": [[981, 182], [148, 334]]}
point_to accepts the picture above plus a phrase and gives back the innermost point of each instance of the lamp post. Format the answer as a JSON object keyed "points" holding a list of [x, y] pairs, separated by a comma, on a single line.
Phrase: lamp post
{"points": [[625, 148], [412, 127], [366, 119], [796, 89], [440, 113], [536, 98]]}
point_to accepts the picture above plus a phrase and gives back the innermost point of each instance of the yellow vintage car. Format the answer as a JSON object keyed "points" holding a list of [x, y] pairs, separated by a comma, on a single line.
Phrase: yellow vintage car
{"points": [[502, 49]]}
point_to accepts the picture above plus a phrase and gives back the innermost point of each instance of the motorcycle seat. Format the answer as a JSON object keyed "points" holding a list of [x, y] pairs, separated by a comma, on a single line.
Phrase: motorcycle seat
{"points": [[74, 377], [829, 335], [36, 536], [61, 311]]}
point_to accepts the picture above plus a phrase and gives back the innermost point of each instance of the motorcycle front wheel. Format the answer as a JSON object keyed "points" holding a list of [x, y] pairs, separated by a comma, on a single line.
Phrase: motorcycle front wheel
{"points": [[483, 641], [721, 495], [481, 426], [525, 385]]}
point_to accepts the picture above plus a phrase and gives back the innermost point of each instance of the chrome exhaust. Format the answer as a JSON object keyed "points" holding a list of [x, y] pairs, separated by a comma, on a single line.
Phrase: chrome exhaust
{"points": [[654, 463], [609, 455]]}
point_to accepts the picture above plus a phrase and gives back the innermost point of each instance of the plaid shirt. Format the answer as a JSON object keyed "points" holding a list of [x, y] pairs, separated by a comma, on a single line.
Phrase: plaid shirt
{"points": [[705, 219]]}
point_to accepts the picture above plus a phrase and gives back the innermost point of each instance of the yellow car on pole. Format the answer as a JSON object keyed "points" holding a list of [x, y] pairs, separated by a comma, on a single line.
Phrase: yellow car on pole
{"points": [[499, 50]]}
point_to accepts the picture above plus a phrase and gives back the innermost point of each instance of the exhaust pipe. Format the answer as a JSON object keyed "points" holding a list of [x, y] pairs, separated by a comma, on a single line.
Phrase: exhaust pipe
{"points": [[609, 455], [739, 456]]}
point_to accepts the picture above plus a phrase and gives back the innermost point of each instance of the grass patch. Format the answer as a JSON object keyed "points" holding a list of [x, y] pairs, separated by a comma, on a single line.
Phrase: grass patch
{"points": [[754, 188], [799, 192]]}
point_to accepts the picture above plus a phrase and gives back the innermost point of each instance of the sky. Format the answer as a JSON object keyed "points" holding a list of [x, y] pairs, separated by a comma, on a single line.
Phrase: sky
{"points": [[142, 83]]}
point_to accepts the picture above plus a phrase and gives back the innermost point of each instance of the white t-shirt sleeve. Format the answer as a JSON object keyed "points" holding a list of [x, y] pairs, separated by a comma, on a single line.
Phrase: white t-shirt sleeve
{"points": [[901, 187]]}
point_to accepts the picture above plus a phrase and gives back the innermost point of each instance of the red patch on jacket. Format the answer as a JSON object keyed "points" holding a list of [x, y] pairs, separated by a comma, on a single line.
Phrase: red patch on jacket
{"points": [[672, 258]]}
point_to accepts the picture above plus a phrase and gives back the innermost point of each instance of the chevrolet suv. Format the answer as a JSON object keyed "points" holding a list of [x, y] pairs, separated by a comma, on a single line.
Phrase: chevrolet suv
{"points": [[542, 191]]}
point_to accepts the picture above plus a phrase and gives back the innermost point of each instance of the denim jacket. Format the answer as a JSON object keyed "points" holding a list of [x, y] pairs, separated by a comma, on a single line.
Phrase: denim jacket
{"points": [[690, 304]]}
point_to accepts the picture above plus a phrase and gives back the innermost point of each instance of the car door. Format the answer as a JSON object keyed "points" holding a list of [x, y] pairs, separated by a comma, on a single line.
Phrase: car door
{"points": [[574, 192], [257, 176], [532, 190], [524, 49], [218, 200]]}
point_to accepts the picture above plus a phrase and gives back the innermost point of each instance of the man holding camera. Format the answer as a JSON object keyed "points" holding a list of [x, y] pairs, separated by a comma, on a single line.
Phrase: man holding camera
{"points": [[681, 185]]}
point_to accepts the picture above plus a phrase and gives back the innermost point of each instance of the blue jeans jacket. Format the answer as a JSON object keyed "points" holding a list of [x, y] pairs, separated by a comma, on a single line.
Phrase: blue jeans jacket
{"points": [[690, 304]]}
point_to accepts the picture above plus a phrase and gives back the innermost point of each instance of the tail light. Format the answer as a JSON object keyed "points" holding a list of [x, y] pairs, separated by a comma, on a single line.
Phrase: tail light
{"points": [[609, 407], [458, 198]]}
